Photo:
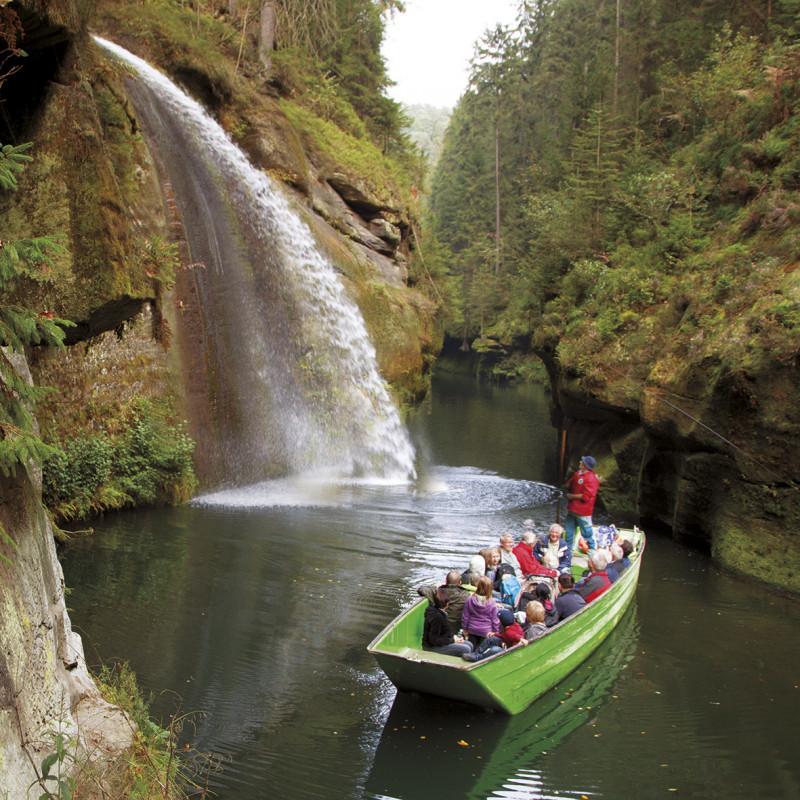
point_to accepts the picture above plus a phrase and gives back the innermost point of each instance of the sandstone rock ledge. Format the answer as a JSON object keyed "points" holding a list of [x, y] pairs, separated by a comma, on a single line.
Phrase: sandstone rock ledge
{"points": [[45, 686]]}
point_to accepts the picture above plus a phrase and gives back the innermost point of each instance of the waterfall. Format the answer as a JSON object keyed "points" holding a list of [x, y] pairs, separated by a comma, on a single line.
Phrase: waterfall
{"points": [[294, 383]]}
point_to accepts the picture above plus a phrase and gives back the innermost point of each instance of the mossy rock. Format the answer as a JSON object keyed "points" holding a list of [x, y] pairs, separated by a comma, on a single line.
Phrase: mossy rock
{"points": [[755, 533]]}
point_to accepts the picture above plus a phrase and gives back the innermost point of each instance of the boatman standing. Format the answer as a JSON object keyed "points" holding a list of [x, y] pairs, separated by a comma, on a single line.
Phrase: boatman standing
{"points": [[582, 490]]}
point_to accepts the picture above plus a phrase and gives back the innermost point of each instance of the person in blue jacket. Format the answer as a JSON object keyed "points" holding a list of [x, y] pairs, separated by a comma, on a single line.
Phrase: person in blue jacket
{"points": [[554, 543]]}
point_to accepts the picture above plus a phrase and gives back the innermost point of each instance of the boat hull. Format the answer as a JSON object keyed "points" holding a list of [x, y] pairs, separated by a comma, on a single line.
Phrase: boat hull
{"points": [[510, 681]]}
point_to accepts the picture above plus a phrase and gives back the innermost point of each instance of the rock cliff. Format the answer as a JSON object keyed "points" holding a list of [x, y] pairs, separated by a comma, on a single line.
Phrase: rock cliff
{"points": [[697, 445], [95, 184], [45, 687]]}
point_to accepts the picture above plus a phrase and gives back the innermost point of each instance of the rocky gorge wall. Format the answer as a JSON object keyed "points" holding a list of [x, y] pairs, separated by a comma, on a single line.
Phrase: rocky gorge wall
{"points": [[702, 451], [95, 185], [45, 687]]}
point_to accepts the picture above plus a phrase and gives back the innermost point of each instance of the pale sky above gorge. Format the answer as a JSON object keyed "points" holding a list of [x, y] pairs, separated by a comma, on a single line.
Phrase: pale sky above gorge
{"points": [[428, 48]]}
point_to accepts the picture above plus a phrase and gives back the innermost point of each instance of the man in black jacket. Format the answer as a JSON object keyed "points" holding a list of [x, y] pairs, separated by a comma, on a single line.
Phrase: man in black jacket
{"points": [[456, 594], [568, 601]]}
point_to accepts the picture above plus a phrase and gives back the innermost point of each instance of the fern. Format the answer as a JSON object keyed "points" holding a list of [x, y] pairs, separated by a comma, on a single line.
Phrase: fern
{"points": [[12, 161], [20, 328]]}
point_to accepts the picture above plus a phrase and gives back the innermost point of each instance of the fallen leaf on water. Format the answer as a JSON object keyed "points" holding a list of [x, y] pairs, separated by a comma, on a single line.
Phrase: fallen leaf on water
{"points": [[672, 790], [462, 743], [663, 765], [423, 737]]}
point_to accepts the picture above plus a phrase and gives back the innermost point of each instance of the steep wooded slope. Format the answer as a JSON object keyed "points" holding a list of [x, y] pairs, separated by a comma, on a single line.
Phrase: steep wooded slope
{"points": [[648, 167]]}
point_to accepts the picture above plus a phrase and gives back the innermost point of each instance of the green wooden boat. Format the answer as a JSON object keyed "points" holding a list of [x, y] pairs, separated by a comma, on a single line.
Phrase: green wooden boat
{"points": [[512, 680]]}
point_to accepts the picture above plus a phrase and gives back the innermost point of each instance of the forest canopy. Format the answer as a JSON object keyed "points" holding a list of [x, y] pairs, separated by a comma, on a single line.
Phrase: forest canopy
{"points": [[618, 166]]}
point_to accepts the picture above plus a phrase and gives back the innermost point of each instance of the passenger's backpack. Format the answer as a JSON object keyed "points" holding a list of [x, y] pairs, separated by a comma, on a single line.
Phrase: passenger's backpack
{"points": [[501, 572], [509, 590]]}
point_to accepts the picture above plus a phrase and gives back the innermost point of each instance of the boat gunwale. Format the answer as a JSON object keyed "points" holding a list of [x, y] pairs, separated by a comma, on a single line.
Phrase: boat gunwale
{"points": [[467, 666]]}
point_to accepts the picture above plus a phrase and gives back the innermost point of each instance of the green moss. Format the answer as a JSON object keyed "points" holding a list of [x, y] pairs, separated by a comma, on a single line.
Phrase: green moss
{"points": [[341, 151], [761, 551]]}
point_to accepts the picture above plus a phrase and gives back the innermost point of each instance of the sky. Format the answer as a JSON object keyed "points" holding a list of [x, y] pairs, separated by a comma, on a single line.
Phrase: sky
{"points": [[428, 47]]}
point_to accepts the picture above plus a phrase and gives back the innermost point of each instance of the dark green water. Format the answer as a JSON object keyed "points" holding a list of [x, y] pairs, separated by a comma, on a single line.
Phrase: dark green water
{"points": [[256, 608]]}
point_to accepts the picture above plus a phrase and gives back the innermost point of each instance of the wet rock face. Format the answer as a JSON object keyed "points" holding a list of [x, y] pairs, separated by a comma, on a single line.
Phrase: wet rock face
{"points": [[43, 674], [711, 458]]}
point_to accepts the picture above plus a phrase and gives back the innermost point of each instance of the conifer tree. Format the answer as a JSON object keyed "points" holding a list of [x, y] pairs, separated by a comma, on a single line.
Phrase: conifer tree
{"points": [[596, 165], [21, 327]]}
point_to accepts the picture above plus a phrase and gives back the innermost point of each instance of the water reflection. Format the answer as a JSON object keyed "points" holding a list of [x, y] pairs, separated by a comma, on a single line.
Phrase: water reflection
{"points": [[473, 754], [259, 616]]}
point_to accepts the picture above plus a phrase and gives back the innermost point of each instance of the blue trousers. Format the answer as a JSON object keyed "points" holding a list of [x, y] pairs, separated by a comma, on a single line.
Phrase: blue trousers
{"points": [[454, 649], [572, 522]]}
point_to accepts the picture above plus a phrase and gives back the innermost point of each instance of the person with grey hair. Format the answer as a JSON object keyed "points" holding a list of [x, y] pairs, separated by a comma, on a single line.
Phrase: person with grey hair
{"points": [[597, 581], [556, 545], [507, 555], [525, 553], [621, 562], [476, 569]]}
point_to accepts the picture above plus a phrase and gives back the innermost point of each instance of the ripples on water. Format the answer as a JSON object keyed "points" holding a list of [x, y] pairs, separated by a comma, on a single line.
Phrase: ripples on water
{"points": [[256, 605]]}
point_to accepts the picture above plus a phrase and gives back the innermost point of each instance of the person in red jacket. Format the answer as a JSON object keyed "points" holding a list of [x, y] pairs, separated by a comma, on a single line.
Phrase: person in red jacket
{"points": [[529, 564], [597, 581], [582, 490]]}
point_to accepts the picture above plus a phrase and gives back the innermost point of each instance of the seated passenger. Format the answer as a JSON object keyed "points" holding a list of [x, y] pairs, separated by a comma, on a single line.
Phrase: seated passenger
{"points": [[621, 560], [535, 627], [456, 594], [556, 545], [530, 565], [491, 555], [507, 554], [568, 601], [597, 581], [507, 587], [605, 536], [480, 617], [436, 634], [543, 594], [477, 566], [510, 635], [512, 631]]}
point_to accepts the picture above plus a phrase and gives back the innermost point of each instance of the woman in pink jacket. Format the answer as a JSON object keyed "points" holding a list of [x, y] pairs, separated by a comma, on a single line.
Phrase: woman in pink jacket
{"points": [[480, 617]]}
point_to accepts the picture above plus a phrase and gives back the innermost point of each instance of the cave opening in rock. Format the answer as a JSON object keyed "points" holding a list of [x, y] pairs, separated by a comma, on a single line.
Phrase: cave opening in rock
{"points": [[672, 501], [48, 47]]}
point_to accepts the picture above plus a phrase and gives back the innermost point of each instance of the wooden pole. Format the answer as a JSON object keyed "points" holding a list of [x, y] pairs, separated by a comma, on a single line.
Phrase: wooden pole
{"points": [[561, 470]]}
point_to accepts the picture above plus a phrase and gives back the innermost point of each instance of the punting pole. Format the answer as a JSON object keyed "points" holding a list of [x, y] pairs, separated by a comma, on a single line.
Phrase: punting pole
{"points": [[561, 470]]}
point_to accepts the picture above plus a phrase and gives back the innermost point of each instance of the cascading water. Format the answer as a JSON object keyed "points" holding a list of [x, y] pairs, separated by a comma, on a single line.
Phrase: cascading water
{"points": [[291, 369]]}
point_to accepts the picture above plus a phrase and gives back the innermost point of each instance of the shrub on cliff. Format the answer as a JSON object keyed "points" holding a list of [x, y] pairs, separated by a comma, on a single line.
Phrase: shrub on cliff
{"points": [[153, 461], [150, 463]]}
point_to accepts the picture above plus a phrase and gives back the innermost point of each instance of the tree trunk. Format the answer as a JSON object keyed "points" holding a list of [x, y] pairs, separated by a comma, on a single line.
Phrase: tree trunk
{"points": [[496, 199], [266, 34], [616, 65]]}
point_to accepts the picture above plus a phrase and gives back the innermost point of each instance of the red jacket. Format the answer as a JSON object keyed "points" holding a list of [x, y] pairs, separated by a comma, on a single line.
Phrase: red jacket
{"points": [[594, 585], [512, 634], [529, 564], [584, 483]]}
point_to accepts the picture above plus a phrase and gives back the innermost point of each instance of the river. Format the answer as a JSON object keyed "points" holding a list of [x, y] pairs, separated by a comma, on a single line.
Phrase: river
{"points": [[254, 608]]}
